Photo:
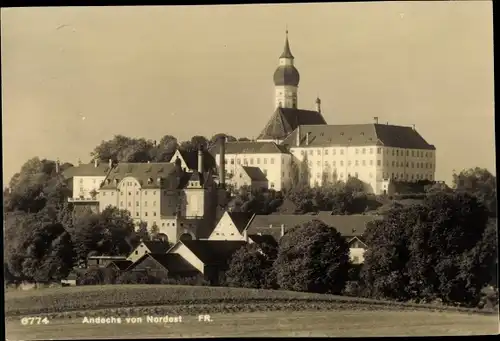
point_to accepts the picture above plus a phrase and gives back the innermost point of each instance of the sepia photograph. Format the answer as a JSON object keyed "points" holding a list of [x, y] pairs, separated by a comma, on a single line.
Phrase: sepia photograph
{"points": [[252, 170]]}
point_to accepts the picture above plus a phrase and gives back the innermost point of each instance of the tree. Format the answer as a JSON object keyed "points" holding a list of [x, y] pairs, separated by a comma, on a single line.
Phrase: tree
{"points": [[165, 149], [481, 183], [247, 268], [217, 136], [155, 231], [441, 249], [313, 257], [142, 232], [242, 139]]}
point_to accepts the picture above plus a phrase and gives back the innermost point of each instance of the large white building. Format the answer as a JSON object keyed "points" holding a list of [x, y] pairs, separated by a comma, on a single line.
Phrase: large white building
{"points": [[376, 154]]}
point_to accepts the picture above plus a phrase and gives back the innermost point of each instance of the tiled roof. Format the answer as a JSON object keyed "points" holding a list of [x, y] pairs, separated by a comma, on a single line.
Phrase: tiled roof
{"points": [[285, 120], [120, 264], [359, 135], [251, 147], [347, 225], [241, 219], [191, 159], [255, 173], [157, 246], [174, 263], [88, 169], [213, 252], [142, 172]]}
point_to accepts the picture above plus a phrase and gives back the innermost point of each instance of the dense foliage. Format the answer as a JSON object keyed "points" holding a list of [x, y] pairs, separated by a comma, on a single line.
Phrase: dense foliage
{"points": [[442, 249], [312, 257]]}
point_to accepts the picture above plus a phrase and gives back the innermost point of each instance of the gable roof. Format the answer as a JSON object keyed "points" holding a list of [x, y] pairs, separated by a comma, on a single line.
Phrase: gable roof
{"points": [[241, 219], [359, 135], [251, 147], [254, 173], [157, 246], [120, 264], [142, 172], [346, 225], [191, 159], [285, 120], [213, 252], [174, 263], [88, 169]]}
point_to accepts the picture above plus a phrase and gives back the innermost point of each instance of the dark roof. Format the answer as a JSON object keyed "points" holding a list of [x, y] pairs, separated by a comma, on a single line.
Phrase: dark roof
{"points": [[263, 239], [191, 159], [347, 225], [120, 264], [287, 53], [88, 169], [241, 219], [255, 173], [286, 75], [287, 207], [157, 246], [212, 252], [142, 172], [285, 120], [251, 147], [174, 263], [359, 135]]}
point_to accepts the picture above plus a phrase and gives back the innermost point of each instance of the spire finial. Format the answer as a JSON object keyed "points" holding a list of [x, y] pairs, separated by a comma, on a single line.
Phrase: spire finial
{"points": [[286, 51]]}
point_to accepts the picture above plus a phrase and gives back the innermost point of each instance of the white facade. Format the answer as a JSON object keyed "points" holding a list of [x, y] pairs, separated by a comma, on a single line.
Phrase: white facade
{"points": [[370, 164], [276, 166], [84, 185]]}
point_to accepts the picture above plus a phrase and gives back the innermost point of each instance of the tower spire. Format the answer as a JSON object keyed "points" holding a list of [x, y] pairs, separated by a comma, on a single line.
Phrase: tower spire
{"points": [[286, 51]]}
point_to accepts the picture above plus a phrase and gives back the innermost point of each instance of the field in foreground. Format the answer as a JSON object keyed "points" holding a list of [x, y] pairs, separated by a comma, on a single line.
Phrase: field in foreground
{"points": [[347, 323], [127, 300]]}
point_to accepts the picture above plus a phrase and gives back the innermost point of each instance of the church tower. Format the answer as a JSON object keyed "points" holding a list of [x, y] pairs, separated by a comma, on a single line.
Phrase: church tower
{"points": [[286, 79]]}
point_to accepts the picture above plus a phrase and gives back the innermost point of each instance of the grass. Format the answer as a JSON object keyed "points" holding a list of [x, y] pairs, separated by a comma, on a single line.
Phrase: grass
{"points": [[345, 323], [126, 300]]}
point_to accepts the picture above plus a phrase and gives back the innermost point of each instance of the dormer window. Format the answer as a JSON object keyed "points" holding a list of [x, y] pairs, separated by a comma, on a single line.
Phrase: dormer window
{"points": [[150, 181], [158, 181], [116, 181], [108, 181]]}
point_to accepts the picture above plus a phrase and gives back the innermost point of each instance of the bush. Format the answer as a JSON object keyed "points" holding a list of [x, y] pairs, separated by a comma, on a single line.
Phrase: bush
{"points": [[194, 280], [97, 276], [353, 289], [137, 277], [248, 267], [313, 257], [441, 249]]}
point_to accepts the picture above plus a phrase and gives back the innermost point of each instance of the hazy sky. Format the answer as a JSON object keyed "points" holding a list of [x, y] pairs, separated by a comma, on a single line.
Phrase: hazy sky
{"points": [[152, 71]]}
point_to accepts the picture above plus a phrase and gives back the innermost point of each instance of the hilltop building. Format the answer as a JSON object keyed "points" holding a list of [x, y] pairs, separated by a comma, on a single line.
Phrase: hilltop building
{"points": [[377, 154]]}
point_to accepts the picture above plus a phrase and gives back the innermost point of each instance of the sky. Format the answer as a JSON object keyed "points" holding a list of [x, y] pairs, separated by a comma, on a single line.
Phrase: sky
{"points": [[75, 76]]}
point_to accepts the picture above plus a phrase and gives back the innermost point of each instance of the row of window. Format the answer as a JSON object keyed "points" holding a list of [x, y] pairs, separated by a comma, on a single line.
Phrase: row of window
{"points": [[130, 193], [395, 152], [385, 176], [250, 161], [379, 163]]}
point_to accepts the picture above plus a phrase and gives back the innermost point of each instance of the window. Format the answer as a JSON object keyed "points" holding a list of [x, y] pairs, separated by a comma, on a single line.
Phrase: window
{"points": [[357, 151], [136, 214], [363, 151], [302, 152], [318, 152], [265, 161], [81, 180], [310, 152], [245, 161], [349, 162], [129, 204], [258, 161], [121, 203], [341, 163], [356, 163], [264, 171], [146, 214], [112, 193], [363, 163], [356, 174], [406, 163], [401, 175], [145, 203], [251, 161], [378, 150], [154, 213], [407, 153], [326, 163], [121, 193], [136, 252], [334, 163], [393, 152], [371, 150], [104, 193], [272, 184], [392, 163], [418, 165], [162, 224], [145, 192], [341, 152], [397, 152], [154, 203], [379, 162], [371, 162], [334, 151], [238, 161], [272, 161], [318, 163], [318, 175], [326, 151], [154, 192]]}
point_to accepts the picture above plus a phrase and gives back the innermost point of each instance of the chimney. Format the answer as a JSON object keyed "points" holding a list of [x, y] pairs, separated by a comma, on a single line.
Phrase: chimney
{"points": [[413, 127], [79, 162], [200, 160], [375, 119], [318, 105], [282, 230], [307, 138], [96, 162], [222, 165], [57, 166], [298, 136]]}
